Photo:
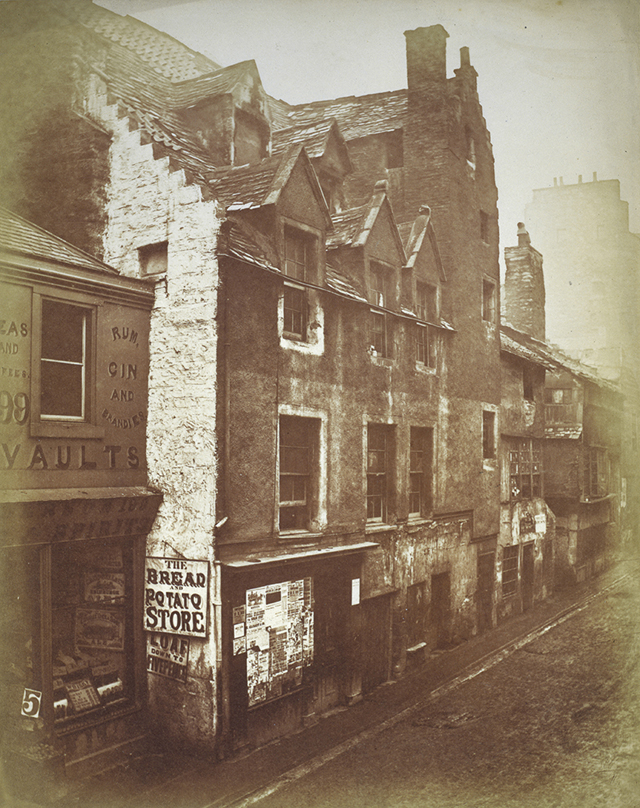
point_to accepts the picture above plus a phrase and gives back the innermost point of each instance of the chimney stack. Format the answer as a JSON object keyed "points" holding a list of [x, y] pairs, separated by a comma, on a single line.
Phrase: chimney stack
{"points": [[524, 295], [426, 57]]}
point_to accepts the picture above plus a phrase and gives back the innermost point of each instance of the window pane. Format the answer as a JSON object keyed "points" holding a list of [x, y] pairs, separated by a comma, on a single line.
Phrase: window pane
{"points": [[62, 331], [62, 390]]}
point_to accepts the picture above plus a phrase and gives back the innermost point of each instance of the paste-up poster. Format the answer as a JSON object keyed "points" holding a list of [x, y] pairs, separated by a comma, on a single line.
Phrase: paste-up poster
{"points": [[278, 637]]}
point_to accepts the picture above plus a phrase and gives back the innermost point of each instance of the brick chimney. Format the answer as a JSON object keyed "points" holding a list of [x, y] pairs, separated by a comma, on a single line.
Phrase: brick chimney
{"points": [[426, 57], [524, 295]]}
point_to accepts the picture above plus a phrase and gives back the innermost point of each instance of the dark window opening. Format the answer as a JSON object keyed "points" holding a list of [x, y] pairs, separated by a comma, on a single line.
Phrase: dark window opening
{"points": [[64, 361], [427, 302], [509, 570], [528, 383], [488, 434], [250, 139], [420, 460], [395, 149], [484, 226], [488, 301], [153, 258]]}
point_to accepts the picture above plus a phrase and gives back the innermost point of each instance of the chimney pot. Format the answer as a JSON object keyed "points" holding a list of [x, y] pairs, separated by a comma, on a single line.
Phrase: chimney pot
{"points": [[523, 236], [465, 60], [595, 176], [580, 178]]}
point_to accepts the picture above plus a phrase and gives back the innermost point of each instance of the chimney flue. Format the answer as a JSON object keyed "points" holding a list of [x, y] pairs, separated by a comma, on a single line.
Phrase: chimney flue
{"points": [[426, 57]]}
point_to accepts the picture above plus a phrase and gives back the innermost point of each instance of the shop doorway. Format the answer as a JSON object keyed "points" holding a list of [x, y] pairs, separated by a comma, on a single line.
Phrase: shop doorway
{"points": [[486, 583], [376, 641], [527, 576], [441, 608]]}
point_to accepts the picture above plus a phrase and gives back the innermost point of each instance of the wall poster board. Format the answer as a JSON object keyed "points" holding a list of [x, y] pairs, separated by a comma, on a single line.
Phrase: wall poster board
{"points": [[276, 628]]}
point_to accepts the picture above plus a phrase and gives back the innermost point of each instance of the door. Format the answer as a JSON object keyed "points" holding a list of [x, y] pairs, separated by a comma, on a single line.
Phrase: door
{"points": [[441, 608], [376, 641], [527, 576], [486, 585]]}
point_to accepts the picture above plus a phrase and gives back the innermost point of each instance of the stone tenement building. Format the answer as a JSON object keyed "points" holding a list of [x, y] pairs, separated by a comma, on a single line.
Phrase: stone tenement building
{"points": [[592, 264], [326, 364]]}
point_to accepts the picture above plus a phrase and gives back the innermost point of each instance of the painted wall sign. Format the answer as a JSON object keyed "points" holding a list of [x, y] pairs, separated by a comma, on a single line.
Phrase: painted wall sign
{"points": [[278, 639], [541, 522], [116, 384], [176, 596], [168, 655]]}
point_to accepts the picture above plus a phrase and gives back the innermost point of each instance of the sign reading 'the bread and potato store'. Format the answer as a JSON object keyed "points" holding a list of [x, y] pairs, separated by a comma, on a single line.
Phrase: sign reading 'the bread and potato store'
{"points": [[176, 596]]}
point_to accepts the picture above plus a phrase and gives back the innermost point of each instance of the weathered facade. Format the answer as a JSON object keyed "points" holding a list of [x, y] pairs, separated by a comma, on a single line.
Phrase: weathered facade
{"points": [[593, 263], [333, 414], [581, 419], [75, 509]]}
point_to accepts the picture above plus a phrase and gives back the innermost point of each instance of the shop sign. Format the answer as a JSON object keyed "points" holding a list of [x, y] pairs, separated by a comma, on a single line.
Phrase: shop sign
{"points": [[541, 522], [100, 628], [176, 596], [168, 655], [107, 587]]}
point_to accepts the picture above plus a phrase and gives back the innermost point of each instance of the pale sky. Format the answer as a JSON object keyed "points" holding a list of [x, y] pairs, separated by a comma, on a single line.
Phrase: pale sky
{"points": [[559, 80]]}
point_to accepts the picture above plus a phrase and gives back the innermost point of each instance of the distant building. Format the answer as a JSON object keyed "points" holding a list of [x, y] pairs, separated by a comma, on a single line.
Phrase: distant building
{"points": [[592, 273], [582, 423]]}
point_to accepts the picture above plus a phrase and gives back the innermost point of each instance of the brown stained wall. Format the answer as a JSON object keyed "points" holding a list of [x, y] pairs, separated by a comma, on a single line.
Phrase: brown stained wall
{"points": [[562, 469], [55, 164], [213, 122], [519, 416]]}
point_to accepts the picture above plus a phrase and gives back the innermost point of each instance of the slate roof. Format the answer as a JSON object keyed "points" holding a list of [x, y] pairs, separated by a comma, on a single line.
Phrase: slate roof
{"points": [[220, 82], [357, 116], [243, 241], [164, 54], [347, 226], [549, 356], [342, 284], [313, 135], [17, 235]]}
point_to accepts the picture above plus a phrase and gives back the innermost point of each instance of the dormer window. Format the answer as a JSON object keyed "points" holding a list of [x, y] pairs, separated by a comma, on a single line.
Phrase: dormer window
{"points": [[427, 302], [377, 280], [297, 254]]}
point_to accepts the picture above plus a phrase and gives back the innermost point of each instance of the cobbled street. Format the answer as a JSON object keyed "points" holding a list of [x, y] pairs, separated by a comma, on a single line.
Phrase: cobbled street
{"points": [[555, 725]]}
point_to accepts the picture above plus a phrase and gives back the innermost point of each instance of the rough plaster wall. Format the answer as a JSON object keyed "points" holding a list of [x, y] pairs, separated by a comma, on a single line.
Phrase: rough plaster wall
{"points": [[150, 203]]}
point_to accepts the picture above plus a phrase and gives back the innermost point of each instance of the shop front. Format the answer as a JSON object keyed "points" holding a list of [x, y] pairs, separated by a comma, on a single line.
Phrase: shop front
{"points": [[73, 674], [292, 641]]}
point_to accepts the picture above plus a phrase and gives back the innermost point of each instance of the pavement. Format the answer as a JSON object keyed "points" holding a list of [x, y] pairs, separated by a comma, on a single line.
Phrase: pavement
{"points": [[170, 779]]}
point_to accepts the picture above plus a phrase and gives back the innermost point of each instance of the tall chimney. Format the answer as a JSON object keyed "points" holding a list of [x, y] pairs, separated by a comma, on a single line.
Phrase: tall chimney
{"points": [[426, 57], [524, 295]]}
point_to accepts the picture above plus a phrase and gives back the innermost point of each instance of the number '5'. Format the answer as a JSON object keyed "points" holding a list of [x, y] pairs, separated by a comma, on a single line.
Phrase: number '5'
{"points": [[31, 701]]}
